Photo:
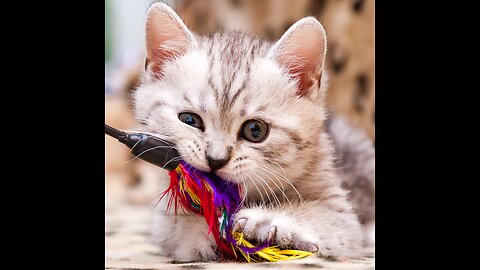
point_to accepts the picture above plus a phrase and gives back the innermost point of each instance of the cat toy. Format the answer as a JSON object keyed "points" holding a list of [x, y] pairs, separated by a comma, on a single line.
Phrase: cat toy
{"points": [[204, 194]]}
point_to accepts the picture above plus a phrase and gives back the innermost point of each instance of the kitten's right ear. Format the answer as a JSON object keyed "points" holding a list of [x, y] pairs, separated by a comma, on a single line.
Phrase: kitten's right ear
{"points": [[301, 50], [167, 37]]}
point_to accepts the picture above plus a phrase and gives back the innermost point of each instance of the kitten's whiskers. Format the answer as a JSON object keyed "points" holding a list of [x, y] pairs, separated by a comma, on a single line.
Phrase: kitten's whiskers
{"points": [[271, 190], [260, 192], [288, 182], [173, 159], [282, 190], [266, 192], [150, 149], [276, 163], [244, 189]]}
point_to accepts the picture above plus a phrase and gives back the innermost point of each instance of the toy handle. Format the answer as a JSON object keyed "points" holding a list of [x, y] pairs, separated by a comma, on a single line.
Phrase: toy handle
{"points": [[147, 147]]}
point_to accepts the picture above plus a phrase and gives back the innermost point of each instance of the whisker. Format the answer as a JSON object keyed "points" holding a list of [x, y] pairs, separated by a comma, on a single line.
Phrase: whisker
{"points": [[271, 190], [173, 159], [245, 190], [282, 190], [261, 195], [266, 192], [133, 147], [150, 149], [272, 172], [150, 134], [291, 184], [284, 173]]}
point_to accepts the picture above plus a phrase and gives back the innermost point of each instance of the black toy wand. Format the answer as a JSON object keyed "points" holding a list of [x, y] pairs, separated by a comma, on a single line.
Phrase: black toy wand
{"points": [[147, 147]]}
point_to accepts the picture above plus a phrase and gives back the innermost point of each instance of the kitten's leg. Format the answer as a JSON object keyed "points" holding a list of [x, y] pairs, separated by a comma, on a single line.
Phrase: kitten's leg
{"points": [[311, 226], [184, 237]]}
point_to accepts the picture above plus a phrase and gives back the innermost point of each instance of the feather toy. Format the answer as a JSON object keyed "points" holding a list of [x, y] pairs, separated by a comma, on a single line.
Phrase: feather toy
{"points": [[218, 200], [204, 194]]}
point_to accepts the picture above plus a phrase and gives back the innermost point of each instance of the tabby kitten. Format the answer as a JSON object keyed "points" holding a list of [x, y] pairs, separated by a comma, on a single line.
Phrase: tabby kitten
{"points": [[253, 113]]}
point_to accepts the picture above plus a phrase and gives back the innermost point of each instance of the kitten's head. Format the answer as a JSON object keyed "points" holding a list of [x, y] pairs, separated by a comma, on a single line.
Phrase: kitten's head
{"points": [[249, 110]]}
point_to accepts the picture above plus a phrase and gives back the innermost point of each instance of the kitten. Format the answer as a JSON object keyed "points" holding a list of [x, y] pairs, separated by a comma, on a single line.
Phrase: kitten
{"points": [[252, 112]]}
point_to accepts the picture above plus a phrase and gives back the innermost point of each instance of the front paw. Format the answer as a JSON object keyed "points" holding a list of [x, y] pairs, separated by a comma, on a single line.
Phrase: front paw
{"points": [[260, 225]]}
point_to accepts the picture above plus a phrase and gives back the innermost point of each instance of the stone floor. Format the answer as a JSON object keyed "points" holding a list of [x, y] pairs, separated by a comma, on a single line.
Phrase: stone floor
{"points": [[127, 246]]}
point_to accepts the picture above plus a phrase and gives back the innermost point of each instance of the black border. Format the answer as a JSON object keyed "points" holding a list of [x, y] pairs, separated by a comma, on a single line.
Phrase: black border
{"points": [[421, 189], [54, 140], [53, 118]]}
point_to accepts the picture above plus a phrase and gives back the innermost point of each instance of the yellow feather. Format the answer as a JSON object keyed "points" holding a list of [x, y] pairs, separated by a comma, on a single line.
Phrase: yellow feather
{"points": [[185, 188], [272, 254]]}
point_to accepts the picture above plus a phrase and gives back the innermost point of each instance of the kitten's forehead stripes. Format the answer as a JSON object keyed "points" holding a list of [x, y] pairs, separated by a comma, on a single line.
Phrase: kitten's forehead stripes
{"points": [[232, 54], [247, 75], [210, 67], [185, 98], [214, 88]]}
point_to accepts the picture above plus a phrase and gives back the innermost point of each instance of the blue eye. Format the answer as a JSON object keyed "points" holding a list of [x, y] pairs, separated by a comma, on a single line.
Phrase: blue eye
{"points": [[191, 119], [254, 131]]}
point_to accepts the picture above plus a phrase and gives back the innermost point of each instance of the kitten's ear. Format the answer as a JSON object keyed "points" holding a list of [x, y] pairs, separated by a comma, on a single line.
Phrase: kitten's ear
{"points": [[167, 37], [301, 50]]}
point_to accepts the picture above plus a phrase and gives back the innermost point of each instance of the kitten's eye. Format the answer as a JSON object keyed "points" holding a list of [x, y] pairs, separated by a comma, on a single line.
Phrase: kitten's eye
{"points": [[191, 119], [254, 131]]}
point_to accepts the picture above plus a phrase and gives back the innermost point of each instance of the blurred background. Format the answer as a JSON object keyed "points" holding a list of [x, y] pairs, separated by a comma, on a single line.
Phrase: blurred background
{"points": [[350, 62]]}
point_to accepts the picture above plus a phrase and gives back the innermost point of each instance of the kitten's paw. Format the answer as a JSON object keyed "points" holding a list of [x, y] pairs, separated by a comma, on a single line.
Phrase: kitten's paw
{"points": [[194, 252], [260, 226], [184, 238], [208, 253]]}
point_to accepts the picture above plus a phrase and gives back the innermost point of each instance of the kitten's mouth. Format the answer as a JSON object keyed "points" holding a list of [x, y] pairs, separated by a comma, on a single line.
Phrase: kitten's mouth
{"points": [[227, 176], [222, 172]]}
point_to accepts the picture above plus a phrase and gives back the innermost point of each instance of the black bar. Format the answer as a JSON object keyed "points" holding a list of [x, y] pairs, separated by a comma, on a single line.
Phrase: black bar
{"points": [[117, 134]]}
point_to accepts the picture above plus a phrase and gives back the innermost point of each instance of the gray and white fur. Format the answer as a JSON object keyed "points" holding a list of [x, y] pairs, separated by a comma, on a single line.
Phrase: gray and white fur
{"points": [[294, 193]]}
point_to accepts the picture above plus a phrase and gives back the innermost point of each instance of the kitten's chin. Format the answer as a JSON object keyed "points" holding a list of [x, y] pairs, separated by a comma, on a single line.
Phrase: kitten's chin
{"points": [[228, 176], [222, 173]]}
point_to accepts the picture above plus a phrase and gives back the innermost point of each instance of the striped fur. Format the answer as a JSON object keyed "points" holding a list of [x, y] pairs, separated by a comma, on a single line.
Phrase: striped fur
{"points": [[291, 183]]}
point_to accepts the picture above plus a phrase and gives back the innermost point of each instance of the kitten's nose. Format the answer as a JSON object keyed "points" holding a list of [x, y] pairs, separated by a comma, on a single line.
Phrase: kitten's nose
{"points": [[216, 164]]}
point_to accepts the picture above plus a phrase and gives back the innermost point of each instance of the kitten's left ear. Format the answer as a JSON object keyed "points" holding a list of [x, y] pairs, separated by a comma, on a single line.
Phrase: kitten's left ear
{"points": [[167, 37], [301, 50]]}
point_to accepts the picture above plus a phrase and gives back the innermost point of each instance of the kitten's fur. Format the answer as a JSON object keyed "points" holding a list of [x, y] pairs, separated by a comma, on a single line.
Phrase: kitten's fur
{"points": [[294, 194]]}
